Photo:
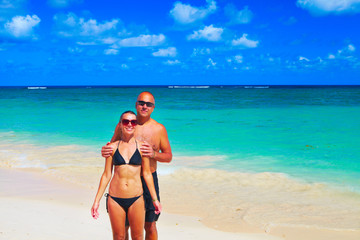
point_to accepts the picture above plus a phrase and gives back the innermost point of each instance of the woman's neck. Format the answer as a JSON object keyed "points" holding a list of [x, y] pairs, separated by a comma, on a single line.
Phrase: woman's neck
{"points": [[127, 138]]}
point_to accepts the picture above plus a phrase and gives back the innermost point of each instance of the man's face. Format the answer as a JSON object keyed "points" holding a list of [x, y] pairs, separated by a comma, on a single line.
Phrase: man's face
{"points": [[145, 105]]}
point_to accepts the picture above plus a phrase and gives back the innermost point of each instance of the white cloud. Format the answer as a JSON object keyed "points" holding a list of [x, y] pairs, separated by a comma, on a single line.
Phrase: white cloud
{"points": [[8, 3], [124, 66], [244, 42], [200, 51], [71, 25], [238, 17], [62, 3], [290, 21], [11, 8], [166, 52], [238, 58], [142, 41], [304, 59], [172, 62], [351, 48], [209, 33], [91, 27], [109, 40], [111, 32], [331, 56], [111, 51], [22, 27], [185, 13], [346, 51], [211, 63], [324, 7], [75, 50], [86, 43]]}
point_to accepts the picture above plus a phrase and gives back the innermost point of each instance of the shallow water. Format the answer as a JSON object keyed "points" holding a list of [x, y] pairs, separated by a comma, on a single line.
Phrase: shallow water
{"points": [[277, 151]]}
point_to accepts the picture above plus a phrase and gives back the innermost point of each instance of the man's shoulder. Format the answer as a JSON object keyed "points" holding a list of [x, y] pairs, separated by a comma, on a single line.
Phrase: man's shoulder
{"points": [[156, 124]]}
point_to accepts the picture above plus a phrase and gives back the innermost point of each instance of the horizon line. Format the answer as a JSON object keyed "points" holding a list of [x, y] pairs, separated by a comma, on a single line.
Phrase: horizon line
{"points": [[180, 85]]}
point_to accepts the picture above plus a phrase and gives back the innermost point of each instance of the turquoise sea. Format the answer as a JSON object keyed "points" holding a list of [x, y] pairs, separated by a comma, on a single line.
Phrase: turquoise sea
{"points": [[308, 133], [269, 156]]}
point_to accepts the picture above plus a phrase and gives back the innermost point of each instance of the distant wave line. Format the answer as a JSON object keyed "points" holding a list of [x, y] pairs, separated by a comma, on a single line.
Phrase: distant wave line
{"points": [[35, 88], [188, 86]]}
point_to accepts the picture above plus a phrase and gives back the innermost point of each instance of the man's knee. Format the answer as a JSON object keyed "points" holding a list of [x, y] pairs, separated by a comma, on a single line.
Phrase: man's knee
{"points": [[137, 236], [150, 227]]}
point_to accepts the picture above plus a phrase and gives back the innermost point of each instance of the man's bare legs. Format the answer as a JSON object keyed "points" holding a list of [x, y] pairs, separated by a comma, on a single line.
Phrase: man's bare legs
{"points": [[151, 231]]}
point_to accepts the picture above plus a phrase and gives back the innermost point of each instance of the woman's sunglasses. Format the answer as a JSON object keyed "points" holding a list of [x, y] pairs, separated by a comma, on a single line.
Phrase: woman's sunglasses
{"points": [[127, 121]]}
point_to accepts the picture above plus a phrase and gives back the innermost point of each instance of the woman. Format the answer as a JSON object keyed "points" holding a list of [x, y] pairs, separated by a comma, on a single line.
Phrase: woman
{"points": [[125, 191]]}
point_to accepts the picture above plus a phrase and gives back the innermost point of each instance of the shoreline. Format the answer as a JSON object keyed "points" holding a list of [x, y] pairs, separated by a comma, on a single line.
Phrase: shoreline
{"points": [[33, 193], [265, 201], [52, 206]]}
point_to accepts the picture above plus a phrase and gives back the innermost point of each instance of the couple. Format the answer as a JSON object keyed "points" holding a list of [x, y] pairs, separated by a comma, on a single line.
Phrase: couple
{"points": [[138, 143]]}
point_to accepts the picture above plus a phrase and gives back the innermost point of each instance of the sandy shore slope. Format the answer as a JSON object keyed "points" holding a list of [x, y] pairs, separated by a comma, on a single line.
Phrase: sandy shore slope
{"points": [[35, 207]]}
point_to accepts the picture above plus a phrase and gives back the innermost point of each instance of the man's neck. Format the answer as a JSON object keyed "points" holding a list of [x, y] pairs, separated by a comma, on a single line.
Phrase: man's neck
{"points": [[142, 121]]}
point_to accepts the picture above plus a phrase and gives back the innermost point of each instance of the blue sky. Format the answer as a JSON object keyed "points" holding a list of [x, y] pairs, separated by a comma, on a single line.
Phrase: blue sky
{"points": [[88, 42]]}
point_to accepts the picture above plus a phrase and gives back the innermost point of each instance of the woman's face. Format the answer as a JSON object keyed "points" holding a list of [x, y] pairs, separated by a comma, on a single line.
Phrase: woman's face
{"points": [[128, 123]]}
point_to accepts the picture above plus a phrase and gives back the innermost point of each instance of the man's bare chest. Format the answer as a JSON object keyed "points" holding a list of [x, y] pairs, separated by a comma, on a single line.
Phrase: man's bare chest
{"points": [[149, 135]]}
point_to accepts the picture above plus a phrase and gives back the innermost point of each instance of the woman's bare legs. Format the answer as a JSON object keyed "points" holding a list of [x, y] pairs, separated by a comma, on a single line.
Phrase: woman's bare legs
{"points": [[136, 216], [117, 218]]}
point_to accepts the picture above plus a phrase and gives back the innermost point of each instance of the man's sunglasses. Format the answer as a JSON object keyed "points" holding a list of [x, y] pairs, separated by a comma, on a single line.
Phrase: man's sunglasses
{"points": [[148, 104], [127, 121]]}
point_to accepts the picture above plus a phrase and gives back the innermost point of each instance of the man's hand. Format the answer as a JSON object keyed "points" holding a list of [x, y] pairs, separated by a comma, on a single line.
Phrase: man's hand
{"points": [[106, 150], [158, 207], [147, 150]]}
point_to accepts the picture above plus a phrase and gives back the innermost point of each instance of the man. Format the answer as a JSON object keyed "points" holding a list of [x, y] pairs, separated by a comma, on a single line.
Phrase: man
{"points": [[156, 147]]}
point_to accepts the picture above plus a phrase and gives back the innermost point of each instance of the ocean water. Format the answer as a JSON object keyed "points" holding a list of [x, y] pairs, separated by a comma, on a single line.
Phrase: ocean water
{"points": [[293, 138]]}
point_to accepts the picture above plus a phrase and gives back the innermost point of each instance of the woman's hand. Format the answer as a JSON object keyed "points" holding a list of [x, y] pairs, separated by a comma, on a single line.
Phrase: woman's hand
{"points": [[158, 207], [106, 150], [95, 210]]}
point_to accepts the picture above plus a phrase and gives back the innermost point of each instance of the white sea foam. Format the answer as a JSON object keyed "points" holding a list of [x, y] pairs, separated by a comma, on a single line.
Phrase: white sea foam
{"points": [[36, 88], [262, 199], [189, 87]]}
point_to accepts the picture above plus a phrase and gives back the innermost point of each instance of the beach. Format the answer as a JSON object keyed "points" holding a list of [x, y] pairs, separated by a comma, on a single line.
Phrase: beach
{"points": [[40, 207], [37, 206], [263, 164]]}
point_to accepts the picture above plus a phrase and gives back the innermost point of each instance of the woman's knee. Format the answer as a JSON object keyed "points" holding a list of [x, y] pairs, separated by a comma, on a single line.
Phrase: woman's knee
{"points": [[139, 236], [119, 236]]}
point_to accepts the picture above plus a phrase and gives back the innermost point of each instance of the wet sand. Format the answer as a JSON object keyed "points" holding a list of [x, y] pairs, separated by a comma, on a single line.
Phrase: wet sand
{"points": [[37, 206], [35, 180]]}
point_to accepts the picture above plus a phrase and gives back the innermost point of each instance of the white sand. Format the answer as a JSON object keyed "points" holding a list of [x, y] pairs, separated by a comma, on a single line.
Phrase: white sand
{"points": [[34, 207]]}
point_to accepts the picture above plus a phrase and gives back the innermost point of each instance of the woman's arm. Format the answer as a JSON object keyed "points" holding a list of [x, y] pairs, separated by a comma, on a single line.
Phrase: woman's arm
{"points": [[147, 175], [104, 181]]}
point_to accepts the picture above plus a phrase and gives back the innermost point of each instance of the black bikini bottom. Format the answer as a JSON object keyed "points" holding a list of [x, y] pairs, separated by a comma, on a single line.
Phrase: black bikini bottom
{"points": [[125, 203]]}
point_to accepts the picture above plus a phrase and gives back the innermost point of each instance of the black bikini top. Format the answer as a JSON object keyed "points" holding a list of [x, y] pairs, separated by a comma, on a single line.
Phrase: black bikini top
{"points": [[134, 160]]}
